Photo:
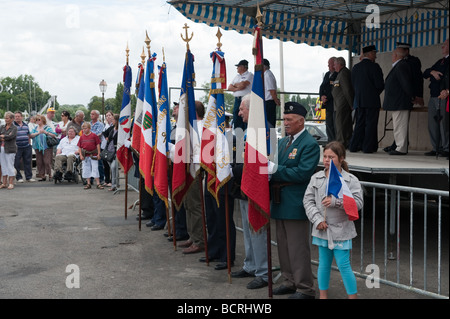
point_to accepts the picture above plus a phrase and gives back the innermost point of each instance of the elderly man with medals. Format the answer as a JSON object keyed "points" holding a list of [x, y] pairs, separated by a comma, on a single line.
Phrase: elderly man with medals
{"points": [[298, 156]]}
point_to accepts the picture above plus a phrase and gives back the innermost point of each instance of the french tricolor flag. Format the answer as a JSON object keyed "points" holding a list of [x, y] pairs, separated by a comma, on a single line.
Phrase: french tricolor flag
{"points": [[339, 189]]}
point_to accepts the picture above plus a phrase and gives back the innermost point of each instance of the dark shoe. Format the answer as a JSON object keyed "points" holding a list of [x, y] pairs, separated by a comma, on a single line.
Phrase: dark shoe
{"points": [[167, 235], [178, 238], [193, 249], [241, 274], [203, 259], [430, 153], [59, 175], [283, 290], [299, 295], [396, 153], [443, 154], [144, 217], [156, 227], [388, 149], [68, 175], [150, 224], [223, 265], [186, 244], [257, 283]]}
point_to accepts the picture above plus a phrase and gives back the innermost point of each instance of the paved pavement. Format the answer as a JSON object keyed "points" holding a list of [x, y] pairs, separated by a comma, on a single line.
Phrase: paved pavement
{"points": [[50, 232]]}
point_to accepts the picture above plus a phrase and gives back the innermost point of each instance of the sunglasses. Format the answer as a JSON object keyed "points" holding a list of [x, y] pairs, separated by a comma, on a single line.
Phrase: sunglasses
{"points": [[37, 119]]}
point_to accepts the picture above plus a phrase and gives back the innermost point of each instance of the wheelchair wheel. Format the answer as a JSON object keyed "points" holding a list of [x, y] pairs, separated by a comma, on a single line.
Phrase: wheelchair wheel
{"points": [[75, 176]]}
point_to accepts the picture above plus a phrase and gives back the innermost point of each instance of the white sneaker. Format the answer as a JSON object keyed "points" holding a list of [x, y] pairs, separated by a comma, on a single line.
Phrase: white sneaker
{"points": [[20, 181], [31, 180]]}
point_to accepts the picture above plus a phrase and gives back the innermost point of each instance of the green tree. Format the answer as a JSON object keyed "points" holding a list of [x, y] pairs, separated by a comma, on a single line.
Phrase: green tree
{"points": [[69, 108], [95, 103], [111, 105], [22, 93], [119, 97], [228, 97]]}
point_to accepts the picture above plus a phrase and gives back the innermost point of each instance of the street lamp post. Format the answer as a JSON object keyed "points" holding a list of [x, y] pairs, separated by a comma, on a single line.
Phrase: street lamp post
{"points": [[103, 87]]}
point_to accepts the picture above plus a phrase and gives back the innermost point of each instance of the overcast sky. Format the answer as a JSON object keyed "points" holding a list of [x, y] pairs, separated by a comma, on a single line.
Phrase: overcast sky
{"points": [[69, 47]]}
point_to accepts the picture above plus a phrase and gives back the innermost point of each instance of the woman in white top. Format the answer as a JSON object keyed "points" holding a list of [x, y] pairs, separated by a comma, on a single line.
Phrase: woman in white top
{"points": [[66, 152], [61, 127]]}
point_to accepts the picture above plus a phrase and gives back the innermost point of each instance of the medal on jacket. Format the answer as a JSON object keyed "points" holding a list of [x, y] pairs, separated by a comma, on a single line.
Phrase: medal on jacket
{"points": [[293, 154]]}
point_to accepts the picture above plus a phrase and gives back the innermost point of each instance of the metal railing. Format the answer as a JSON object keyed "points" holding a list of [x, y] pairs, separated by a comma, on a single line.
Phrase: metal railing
{"points": [[397, 199], [402, 259], [293, 96]]}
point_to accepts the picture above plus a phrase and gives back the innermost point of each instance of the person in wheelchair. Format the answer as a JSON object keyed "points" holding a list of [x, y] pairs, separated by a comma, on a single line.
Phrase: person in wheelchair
{"points": [[66, 153]]}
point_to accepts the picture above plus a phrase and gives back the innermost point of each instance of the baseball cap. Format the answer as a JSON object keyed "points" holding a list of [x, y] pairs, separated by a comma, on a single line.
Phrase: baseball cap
{"points": [[242, 62]]}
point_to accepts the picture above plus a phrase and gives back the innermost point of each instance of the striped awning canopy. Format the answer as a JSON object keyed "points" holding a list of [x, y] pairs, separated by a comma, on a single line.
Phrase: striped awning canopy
{"points": [[340, 24]]}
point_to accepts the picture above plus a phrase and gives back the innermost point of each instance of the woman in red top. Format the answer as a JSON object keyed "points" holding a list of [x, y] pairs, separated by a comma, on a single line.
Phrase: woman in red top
{"points": [[89, 150]]}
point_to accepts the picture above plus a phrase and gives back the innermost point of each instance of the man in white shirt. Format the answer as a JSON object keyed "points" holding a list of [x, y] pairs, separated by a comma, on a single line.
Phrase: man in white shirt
{"points": [[50, 117], [270, 87], [240, 86], [67, 151]]}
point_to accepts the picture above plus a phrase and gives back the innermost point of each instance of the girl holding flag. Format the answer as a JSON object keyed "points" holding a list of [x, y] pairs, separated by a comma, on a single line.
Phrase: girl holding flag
{"points": [[332, 201]]}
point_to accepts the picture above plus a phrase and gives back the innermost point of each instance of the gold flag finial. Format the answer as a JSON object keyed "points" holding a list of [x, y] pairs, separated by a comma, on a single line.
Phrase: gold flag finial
{"points": [[143, 56], [147, 42], [187, 39], [219, 35], [259, 16], [127, 50]]}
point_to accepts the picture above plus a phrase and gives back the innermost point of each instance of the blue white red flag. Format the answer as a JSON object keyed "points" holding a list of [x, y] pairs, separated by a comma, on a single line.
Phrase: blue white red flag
{"points": [[339, 189], [215, 154], [187, 136], [161, 165], [255, 181], [124, 153], [148, 126], [137, 123]]}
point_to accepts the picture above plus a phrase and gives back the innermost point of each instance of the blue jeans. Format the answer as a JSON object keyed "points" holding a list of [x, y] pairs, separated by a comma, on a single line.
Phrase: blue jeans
{"points": [[101, 171], [23, 154]]}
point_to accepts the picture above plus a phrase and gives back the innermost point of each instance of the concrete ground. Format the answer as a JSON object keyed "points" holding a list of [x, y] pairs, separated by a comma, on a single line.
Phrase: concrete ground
{"points": [[50, 233]]}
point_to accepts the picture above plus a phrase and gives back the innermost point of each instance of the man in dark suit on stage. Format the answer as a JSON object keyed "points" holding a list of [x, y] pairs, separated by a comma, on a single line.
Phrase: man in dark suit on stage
{"points": [[327, 98], [368, 83], [343, 95], [398, 98], [438, 121]]}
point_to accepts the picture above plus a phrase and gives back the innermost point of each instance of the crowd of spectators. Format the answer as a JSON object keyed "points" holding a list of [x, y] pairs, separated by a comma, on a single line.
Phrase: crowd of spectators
{"points": [[57, 148]]}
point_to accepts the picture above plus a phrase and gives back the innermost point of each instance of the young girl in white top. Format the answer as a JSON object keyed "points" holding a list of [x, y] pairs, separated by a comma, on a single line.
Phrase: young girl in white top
{"points": [[330, 221]]}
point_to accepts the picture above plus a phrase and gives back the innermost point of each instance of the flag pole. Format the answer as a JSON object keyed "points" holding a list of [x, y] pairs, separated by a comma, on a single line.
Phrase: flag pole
{"points": [[136, 151], [227, 210], [227, 222], [169, 165], [174, 236], [127, 50], [268, 230], [205, 237], [140, 199]]}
